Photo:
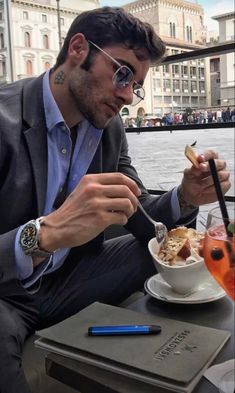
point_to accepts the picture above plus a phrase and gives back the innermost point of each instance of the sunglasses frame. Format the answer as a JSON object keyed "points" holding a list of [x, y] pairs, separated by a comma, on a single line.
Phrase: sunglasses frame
{"points": [[137, 98]]}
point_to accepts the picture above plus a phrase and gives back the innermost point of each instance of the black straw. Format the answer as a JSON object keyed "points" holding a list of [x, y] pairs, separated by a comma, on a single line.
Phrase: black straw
{"points": [[220, 196]]}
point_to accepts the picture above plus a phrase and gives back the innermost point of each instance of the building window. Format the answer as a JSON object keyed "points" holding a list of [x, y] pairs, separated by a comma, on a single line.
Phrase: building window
{"points": [[167, 99], [44, 18], [45, 40], [27, 40], [194, 101], [25, 15], [201, 73], [193, 72], [157, 100], [185, 86], [176, 85], [2, 67], [166, 68], [62, 21], [29, 67], [202, 87], [202, 100], [2, 41], [166, 84], [175, 69], [184, 71], [172, 29], [125, 112], [185, 100], [189, 35], [193, 86], [214, 65], [156, 84]]}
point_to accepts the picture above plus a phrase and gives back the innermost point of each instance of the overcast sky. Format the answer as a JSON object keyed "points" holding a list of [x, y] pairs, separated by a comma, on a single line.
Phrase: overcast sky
{"points": [[211, 8]]}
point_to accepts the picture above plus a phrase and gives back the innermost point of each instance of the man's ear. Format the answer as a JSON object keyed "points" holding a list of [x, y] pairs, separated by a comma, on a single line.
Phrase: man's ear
{"points": [[78, 48]]}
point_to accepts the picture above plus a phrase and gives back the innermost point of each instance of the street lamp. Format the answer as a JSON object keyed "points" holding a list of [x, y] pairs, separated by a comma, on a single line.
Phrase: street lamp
{"points": [[59, 23]]}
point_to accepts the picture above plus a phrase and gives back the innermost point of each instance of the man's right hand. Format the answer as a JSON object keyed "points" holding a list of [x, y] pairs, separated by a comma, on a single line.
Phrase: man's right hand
{"points": [[98, 201]]}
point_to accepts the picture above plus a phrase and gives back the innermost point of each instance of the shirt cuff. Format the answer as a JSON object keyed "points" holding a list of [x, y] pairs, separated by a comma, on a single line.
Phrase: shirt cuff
{"points": [[176, 211], [26, 273]]}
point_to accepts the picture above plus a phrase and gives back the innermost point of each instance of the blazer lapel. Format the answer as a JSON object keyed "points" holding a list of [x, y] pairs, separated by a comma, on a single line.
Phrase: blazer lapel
{"points": [[35, 132]]}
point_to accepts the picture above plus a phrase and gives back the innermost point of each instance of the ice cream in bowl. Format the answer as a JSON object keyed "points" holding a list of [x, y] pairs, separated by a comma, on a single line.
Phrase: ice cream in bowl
{"points": [[178, 259]]}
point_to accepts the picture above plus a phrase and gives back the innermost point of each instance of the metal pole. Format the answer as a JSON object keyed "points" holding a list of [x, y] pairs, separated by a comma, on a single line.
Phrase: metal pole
{"points": [[59, 23], [9, 36]]}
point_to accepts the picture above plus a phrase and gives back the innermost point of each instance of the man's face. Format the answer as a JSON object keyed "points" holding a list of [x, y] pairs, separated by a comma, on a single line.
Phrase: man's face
{"points": [[94, 93]]}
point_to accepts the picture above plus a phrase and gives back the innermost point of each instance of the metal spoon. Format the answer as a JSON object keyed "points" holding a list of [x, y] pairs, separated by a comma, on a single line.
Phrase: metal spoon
{"points": [[160, 228]]}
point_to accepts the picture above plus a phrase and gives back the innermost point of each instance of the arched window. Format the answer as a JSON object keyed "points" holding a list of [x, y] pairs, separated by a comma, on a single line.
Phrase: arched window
{"points": [[27, 40], [125, 112], [172, 29], [2, 41], [45, 40], [189, 35], [29, 67], [2, 67], [47, 65]]}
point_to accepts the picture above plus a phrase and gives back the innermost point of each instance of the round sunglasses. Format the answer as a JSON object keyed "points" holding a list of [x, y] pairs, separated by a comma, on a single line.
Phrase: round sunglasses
{"points": [[123, 77]]}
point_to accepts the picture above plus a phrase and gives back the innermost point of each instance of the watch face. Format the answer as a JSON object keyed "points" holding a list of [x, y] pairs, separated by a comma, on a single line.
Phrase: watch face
{"points": [[28, 236]]}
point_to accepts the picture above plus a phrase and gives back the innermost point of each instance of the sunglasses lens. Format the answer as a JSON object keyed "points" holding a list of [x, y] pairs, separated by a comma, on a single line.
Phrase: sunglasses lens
{"points": [[123, 77], [138, 94]]}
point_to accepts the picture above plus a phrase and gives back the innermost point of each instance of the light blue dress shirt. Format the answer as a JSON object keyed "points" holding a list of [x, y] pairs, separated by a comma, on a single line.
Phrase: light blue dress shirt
{"points": [[59, 150]]}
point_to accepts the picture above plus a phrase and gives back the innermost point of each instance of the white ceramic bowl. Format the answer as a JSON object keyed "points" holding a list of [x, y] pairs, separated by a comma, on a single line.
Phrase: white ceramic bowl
{"points": [[183, 279]]}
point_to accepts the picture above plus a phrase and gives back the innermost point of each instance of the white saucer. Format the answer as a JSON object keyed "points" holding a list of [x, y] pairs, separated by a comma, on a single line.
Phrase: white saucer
{"points": [[209, 291]]}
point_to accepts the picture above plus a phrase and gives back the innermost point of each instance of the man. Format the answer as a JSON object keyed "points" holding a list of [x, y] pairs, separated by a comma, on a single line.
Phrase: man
{"points": [[65, 176]]}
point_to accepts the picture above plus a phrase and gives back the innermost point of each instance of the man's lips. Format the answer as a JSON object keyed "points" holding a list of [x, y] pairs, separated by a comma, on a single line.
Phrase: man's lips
{"points": [[114, 108]]}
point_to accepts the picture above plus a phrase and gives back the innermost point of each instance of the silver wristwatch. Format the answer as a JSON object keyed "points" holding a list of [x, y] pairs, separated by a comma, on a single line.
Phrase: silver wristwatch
{"points": [[29, 239]]}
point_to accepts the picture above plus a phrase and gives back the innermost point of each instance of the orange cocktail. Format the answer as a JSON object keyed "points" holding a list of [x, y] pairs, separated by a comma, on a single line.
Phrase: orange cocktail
{"points": [[219, 255]]}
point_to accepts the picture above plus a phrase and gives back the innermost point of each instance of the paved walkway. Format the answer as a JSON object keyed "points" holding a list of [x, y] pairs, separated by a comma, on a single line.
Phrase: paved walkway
{"points": [[160, 161]]}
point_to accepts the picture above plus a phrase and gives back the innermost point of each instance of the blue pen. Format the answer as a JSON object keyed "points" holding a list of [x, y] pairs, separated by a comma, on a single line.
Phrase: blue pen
{"points": [[120, 330]]}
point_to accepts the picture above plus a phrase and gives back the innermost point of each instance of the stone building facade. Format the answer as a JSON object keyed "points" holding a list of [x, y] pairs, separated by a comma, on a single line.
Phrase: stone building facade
{"points": [[29, 44], [173, 87], [227, 62], [29, 40]]}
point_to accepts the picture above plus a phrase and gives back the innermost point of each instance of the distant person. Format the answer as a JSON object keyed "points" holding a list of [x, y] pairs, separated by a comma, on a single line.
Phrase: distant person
{"points": [[233, 114], [218, 115], [224, 116], [66, 176], [169, 119], [228, 115]]}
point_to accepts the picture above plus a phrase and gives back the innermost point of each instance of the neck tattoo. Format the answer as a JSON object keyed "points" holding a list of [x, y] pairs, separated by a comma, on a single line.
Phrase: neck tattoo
{"points": [[59, 78]]}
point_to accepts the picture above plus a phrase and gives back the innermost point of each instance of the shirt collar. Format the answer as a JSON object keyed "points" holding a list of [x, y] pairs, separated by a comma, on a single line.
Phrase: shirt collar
{"points": [[52, 112]]}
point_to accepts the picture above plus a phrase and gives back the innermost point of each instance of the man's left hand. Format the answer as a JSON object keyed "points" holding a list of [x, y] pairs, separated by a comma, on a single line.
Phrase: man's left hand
{"points": [[197, 183]]}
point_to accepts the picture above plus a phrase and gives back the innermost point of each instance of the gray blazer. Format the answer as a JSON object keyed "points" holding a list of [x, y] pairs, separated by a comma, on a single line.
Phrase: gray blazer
{"points": [[23, 169]]}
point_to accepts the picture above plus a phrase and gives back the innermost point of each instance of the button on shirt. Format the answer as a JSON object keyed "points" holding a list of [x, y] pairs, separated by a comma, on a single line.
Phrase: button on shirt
{"points": [[59, 151]]}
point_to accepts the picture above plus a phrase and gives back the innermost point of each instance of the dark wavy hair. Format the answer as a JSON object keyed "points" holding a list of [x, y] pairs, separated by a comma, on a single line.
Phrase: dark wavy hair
{"points": [[108, 26]]}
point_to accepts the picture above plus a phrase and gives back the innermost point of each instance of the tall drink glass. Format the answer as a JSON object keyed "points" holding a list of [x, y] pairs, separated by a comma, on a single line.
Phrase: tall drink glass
{"points": [[219, 255]]}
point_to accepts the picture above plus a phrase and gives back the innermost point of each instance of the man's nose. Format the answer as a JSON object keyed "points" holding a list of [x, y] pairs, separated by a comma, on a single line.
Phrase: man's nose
{"points": [[126, 94]]}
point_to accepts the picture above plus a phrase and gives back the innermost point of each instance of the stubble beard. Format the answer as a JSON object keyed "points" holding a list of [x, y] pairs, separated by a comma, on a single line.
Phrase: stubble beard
{"points": [[84, 91]]}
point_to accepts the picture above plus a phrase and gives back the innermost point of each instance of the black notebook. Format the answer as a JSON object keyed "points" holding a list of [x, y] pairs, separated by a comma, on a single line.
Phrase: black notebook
{"points": [[174, 359]]}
